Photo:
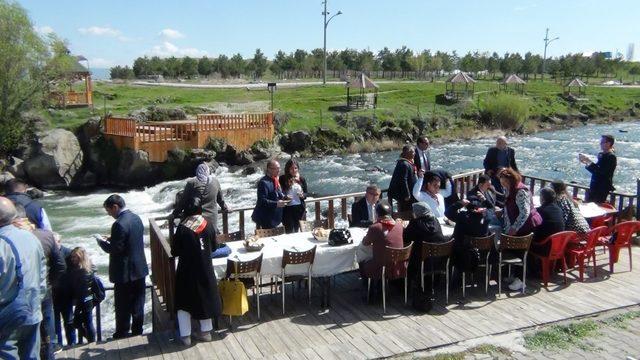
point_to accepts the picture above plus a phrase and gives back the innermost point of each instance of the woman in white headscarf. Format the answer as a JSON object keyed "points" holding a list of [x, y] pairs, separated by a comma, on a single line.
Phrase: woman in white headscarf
{"points": [[207, 188]]}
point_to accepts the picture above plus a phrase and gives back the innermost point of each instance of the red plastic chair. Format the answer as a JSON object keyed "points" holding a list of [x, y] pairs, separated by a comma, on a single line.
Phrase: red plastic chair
{"points": [[622, 232], [581, 252], [603, 220], [556, 252]]}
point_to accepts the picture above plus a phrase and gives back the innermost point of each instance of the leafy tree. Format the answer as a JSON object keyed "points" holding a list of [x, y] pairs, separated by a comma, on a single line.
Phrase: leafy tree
{"points": [[403, 56], [236, 65], [493, 64], [172, 67], [259, 63], [634, 70], [157, 65], [388, 60], [189, 67], [298, 59], [142, 67], [205, 66], [222, 66], [121, 72], [278, 62], [316, 58], [22, 53], [349, 58]]}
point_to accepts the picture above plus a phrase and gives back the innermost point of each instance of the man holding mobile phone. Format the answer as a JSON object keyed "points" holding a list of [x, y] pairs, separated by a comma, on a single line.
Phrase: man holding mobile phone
{"points": [[127, 266]]}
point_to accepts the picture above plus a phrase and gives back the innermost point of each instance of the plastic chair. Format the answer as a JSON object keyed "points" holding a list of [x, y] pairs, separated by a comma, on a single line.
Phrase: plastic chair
{"points": [[557, 249], [483, 244], [586, 251], [260, 233], [296, 258], [434, 251], [603, 220], [249, 273], [513, 243], [393, 257], [306, 226], [622, 233], [233, 236]]}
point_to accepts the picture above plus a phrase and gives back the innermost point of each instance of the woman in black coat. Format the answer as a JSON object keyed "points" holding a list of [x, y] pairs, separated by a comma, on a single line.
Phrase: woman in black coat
{"points": [[196, 285], [469, 222], [294, 186], [423, 228]]}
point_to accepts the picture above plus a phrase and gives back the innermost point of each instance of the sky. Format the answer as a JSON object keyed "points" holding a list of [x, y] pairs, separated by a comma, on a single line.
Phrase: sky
{"points": [[115, 32]]}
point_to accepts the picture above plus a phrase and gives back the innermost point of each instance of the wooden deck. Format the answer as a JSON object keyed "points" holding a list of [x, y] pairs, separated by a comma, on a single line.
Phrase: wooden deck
{"points": [[350, 329]]}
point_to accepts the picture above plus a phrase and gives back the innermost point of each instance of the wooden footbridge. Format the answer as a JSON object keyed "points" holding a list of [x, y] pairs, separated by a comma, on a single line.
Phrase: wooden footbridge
{"points": [[158, 137]]}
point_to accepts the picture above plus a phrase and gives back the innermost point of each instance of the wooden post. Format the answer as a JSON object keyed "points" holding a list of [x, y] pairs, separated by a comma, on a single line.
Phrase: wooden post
{"points": [[343, 208], [330, 217], [241, 224], [318, 212]]}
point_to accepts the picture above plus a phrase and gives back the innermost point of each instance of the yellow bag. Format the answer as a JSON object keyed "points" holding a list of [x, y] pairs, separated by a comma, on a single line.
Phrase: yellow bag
{"points": [[234, 297]]}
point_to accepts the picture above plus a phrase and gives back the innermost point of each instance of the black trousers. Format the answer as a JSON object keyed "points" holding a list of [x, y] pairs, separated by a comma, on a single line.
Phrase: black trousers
{"points": [[291, 216], [596, 196], [129, 303]]}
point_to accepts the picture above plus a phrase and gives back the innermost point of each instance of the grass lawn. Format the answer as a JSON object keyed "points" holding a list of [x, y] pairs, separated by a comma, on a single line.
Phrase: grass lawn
{"points": [[307, 107]]}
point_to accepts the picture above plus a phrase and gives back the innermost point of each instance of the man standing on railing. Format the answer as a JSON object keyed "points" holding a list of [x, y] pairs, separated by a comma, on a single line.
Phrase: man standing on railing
{"points": [[601, 171], [268, 211], [127, 266]]}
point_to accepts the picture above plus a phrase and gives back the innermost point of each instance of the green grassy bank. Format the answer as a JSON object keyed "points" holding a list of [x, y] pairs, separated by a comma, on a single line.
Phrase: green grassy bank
{"points": [[308, 107]]}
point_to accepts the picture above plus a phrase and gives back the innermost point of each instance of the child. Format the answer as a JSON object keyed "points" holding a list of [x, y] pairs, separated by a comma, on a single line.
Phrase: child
{"points": [[78, 282]]}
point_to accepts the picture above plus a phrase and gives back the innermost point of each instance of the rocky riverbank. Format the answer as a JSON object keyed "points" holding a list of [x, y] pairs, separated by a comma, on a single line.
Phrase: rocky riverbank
{"points": [[61, 159]]}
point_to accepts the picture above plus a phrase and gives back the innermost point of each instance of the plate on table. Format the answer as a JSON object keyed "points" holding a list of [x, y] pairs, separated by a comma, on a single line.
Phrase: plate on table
{"points": [[321, 234]]}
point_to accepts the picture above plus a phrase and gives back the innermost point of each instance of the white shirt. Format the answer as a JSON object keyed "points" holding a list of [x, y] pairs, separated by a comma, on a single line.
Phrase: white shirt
{"points": [[437, 204], [293, 194]]}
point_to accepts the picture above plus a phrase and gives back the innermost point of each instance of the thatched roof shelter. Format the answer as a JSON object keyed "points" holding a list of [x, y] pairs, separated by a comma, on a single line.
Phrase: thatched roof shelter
{"points": [[454, 88], [578, 84], [364, 98], [513, 81]]}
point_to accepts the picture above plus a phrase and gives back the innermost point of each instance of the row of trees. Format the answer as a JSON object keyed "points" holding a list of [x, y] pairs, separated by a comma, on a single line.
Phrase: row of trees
{"points": [[402, 62]]}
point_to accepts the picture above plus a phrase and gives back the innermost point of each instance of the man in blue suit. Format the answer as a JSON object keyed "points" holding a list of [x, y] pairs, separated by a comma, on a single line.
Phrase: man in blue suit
{"points": [[268, 211], [127, 266]]}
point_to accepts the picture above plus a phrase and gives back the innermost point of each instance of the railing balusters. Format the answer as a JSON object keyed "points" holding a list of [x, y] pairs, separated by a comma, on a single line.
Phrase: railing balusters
{"points": [[343, 208], [330, 215]]}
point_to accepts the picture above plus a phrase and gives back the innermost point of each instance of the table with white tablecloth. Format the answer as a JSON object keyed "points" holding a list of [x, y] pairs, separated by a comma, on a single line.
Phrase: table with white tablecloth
{"points": [[329, 260], [588, 210]]}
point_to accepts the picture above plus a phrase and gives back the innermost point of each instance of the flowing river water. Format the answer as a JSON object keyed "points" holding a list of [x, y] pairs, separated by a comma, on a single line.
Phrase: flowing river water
{"points": [[76, 216]]}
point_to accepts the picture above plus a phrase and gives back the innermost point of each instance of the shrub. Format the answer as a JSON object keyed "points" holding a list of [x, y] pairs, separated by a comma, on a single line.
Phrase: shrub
{"points": [[505, 111]]}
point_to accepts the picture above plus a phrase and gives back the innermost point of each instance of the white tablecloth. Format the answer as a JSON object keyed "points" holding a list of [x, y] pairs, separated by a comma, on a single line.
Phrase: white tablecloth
{"points": [[329, 260], [588, 210]]}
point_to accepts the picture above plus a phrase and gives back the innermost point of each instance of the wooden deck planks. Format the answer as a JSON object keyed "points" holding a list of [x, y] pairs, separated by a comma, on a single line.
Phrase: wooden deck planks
{"points": [[353, 330]]}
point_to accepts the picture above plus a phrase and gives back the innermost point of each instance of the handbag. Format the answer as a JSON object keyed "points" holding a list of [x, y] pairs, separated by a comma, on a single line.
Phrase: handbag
{"points": [[233, 295], [19, 310], [338, 237]]}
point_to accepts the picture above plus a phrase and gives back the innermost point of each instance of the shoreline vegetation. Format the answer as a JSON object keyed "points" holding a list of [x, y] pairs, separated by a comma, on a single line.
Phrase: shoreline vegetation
{"points": [[311, 121]]}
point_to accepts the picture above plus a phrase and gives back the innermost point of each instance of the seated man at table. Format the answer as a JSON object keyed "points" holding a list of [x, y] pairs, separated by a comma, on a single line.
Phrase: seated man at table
{"points": [[484, 195], [384, 232], [363, 211], [552, 221], [423, 228]]}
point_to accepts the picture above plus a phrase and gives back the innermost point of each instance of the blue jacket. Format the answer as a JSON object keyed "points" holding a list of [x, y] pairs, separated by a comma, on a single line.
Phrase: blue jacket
{"points": [[267, 214], [34, 270], [32, 208], [127, 261]]}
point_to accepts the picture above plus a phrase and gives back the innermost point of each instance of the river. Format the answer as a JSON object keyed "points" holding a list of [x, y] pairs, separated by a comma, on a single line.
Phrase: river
{"points": [[549, 154]]}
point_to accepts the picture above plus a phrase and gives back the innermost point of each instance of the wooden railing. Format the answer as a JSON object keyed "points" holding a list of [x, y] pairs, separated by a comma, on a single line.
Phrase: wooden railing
{"points": [[213, 122], [73, 98], [165, 132], [120, 127], [163, 265]]}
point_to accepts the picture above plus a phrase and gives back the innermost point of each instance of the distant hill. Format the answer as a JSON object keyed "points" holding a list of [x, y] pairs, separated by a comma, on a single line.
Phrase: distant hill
{"points": [[100, 74]]}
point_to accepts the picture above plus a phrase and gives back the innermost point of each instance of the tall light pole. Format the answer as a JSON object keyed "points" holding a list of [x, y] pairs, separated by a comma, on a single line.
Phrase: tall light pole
{"points": [[547, 41], [326, 23]]}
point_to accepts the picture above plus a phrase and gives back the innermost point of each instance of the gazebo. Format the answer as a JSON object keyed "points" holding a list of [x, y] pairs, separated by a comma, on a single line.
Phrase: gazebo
{"points": [[364, 98], [513, 82], [80, 89], [454, 86], [575, 83]]}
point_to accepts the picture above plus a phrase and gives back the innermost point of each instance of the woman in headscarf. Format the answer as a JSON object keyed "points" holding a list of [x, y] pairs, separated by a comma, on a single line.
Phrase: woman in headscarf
{"points": [[294, 186], [206, 188], [196, 293]]}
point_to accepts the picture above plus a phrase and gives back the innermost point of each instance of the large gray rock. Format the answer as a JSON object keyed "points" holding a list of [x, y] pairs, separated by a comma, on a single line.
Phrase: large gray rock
{"points": [[134, 168], [296, 141], [56, 157]]}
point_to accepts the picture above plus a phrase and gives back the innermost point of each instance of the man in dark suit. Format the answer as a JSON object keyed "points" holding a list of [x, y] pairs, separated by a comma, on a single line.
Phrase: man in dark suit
{"points": [[403, 179], [127, 266], [601, 171], [268, 211], [363, 211], [422, 158], [499, 156], [483, 194]]}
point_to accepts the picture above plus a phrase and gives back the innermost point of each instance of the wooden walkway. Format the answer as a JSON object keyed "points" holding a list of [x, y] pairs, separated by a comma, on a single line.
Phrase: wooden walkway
{"points": [[351, 329]]}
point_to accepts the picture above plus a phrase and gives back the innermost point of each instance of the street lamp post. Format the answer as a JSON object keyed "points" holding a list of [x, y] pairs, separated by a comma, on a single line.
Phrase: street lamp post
{"points": [[547, 41], [326, 23]]}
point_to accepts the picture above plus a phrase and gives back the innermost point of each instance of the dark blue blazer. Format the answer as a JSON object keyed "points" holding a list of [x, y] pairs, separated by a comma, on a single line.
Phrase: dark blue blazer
{"points": [[402, 181], [360, 214], [267, 214], [126, 249], [491, 159], [602, 176]]}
